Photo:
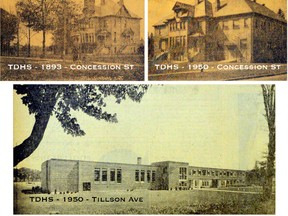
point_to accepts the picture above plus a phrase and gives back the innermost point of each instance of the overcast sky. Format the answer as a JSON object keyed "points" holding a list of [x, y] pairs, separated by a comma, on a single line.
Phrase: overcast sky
{"points": [[211, 126]]}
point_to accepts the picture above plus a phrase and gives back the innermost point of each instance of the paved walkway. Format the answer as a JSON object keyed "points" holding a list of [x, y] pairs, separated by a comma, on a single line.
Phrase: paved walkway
{"points": [[227, 191]]}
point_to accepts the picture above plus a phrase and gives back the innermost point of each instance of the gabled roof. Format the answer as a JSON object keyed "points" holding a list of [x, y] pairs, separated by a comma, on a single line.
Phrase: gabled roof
{"points": [[231, 7], [263, 10], [200, 10], [163, 21], [113, 9], [237, 7], [180, 5], [127, 31]]}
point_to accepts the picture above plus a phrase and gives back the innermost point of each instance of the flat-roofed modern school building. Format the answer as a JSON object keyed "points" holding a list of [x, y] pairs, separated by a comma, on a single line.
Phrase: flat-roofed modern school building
{"points": [[58, 175]]}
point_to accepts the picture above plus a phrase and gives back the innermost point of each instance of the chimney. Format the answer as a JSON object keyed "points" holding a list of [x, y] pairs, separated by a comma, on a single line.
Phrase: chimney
{"points": [[89, 6], [218, 5], [139, 160], [121, 2]]}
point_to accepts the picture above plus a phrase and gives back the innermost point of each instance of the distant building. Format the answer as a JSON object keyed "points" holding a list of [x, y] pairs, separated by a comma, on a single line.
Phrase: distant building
{"points": [[108, 28], [225, 30], [59, 175]]}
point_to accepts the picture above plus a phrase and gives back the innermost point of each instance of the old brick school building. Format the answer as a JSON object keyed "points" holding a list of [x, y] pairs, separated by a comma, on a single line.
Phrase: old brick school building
{"points": [[221, 30], [107, 28], [58, 175]]}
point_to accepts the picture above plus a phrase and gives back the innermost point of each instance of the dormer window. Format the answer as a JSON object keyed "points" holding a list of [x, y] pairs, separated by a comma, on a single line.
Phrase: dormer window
{"points": [[178, 13]]}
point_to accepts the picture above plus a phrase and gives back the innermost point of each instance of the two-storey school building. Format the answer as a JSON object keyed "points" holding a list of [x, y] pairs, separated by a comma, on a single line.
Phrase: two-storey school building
{"points": [[58, 175]]}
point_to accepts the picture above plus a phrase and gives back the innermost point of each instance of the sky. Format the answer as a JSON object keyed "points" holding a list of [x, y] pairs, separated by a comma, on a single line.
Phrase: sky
{"points": [[136, 7], [157, 11], [219, 126]]}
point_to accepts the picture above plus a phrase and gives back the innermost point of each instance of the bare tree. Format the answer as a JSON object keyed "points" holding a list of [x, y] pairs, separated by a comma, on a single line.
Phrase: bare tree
{"points": [[269, 104]]}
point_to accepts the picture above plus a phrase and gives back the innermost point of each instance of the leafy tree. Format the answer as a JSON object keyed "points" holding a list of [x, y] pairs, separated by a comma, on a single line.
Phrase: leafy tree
{"points": [[66, 19], [28, 12], [269, 104], [257, 175], [26, 174], [9, 24], [43, 101], [47, 16], [151, 46], [38, 16]]}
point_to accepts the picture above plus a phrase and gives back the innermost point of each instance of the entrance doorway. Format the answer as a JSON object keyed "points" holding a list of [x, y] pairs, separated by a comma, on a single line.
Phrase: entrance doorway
{"points": [[214, 183], [86, 186]]}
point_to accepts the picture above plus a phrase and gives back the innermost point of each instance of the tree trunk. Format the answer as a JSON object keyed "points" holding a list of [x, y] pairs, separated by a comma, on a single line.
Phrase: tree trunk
{"points": [[268, 189], [44, 43], [18, 39], [269, 103], [29, 41], [44, 29], [64, 34], [29, 145]]}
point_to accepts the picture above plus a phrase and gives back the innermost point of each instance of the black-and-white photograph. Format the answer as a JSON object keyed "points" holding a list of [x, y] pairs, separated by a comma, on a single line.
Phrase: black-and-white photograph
{"points": [[144, 149]]}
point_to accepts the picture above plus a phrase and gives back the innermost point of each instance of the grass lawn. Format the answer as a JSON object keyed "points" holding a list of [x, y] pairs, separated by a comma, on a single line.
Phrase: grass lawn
{"points": [[154, 202]]}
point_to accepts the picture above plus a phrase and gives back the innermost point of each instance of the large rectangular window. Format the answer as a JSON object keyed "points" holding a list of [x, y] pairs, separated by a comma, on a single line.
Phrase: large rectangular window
{"points": [[137, 175], [104, 174], [148, 176], [97, 174], [112, 175], [119, 175], [142, 175], [243, 43], [86, 38], [225, 25], [236, 24], [153, 175], [246, 23], [182, 173]]}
